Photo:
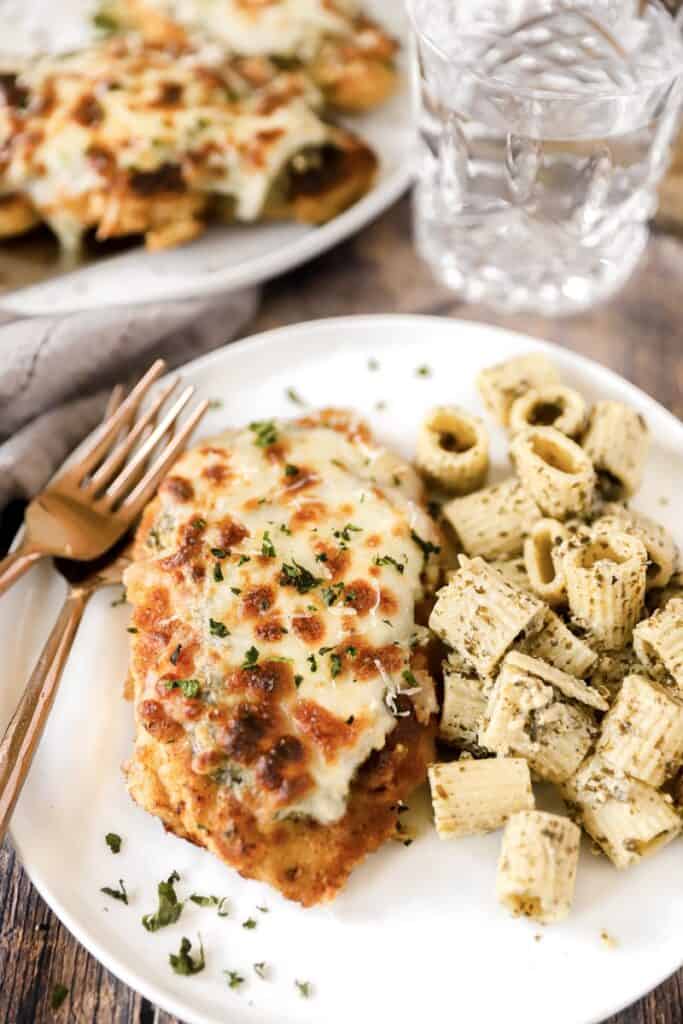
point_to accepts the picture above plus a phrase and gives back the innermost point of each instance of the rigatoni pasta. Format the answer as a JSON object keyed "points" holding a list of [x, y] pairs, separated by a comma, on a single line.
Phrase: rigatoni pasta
{"points": [[480, 614], [628, 819], [642, 734], [538, 864], [529, 717], [493, 522], [553, 406], [465, 696], [617, 442], [555, 471], [658, 641], [556, 644], [659, 544], [499, 386], [605, 578], [474, 797], [543, 566], [453, 449]]}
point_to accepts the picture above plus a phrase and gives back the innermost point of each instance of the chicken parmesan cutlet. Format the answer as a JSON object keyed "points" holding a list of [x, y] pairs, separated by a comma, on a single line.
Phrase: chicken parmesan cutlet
{"points": [[127, 139], [349, 56], [283, 702]]}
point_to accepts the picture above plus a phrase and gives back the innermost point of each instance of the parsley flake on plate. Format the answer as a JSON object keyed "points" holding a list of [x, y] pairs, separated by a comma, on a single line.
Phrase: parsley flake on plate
{"points": [[265, 433], [183, 963], [233, 978], [113, 841], [169, 909], [220, 902], [250, 923], [116, 894], [423, 371], [294, 396], [305, 989], [260, 969], [120, 600]]}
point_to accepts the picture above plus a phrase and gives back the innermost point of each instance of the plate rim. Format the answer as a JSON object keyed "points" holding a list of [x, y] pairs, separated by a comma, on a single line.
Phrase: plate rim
{"points": [[297, 332]]}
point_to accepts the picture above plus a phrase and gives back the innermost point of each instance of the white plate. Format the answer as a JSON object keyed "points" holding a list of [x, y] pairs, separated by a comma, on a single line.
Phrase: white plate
{"points": [[228, 258], [417, 934]]}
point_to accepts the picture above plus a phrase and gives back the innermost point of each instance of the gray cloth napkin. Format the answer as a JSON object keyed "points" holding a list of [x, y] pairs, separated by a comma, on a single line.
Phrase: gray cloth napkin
{"points": [[57, 372]]}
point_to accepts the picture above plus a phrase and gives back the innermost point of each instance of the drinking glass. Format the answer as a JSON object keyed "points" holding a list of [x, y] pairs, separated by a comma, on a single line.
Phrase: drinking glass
{"points": [[546, 127]]}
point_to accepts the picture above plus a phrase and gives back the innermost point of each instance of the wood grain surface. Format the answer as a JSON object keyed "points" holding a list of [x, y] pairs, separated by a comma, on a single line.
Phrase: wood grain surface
{"points": [[639, 334]]}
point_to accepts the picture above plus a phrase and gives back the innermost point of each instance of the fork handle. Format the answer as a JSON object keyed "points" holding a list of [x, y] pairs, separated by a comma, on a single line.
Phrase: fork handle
{"points": [[15, 565], [28, 722]]}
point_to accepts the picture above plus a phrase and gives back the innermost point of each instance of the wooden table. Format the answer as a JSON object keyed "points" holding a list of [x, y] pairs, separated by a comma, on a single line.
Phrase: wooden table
{"points": [[639, 334]]}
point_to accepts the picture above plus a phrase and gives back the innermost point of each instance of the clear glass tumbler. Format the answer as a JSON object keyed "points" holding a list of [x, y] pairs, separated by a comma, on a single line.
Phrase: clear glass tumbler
{"points": [[546, 127]]}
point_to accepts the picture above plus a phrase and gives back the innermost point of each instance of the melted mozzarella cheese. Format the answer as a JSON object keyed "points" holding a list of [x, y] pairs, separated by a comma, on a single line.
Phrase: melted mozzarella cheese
{"points": [[286, 28], [365, 506]]}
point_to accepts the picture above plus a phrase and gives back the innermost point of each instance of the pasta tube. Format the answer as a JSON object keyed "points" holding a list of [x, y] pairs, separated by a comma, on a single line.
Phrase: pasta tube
{"points": [[605, 579], [555, 471], [493, 522], [529, 717], [569, 686], [473, 797], [513, 569], [642, 735], [617, 442], [558, 407], [628, 819], [658, 641], [544, 568], [557, 645], [465, 697], [453, 449], [499, 386], [480, 614], [537, 867], [661, 549]]}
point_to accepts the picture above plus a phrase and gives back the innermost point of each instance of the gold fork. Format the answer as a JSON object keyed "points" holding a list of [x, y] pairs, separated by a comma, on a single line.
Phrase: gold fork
{"points": [[102, 489], [127, 494], [26, 727]]}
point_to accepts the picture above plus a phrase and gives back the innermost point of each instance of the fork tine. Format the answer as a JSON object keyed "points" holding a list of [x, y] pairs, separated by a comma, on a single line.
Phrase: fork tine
{"points": [[144, 491], [95, 446], [112, 464], [114, 401], [121, 484]]}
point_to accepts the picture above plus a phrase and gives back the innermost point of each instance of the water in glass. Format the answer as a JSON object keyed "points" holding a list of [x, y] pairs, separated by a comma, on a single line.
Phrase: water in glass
{"points": [[546, 126]]}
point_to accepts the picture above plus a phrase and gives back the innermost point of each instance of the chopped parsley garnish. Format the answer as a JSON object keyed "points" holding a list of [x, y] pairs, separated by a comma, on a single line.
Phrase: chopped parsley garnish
{"points": [[305, 989], [407, 842], [250, 658], [352, 651], [218, 573], [285, 529], [183, 963], [434, 509], [131, 629], [176, 654], [373, 364], [116, 894], [425, 546], [424, 371], [260, 969], [218, 628], [322, 557], [298, 680], [250, 923], [294, 396], [296, 576], [190, 687], [198, 523], [243, 560], [332, 594], [267, 549], [60, 992], [120, 600], [311, 659], [409, 677], [105, 23], [291, 470], [170, 907], [153, 538], [325, 650], [113, 842], [345, 534], [388, 560], [263, 910], [335, 665], [265, 433], [214, 403], [219, 552], [236, 590], [220, 902], [233, 978]]}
